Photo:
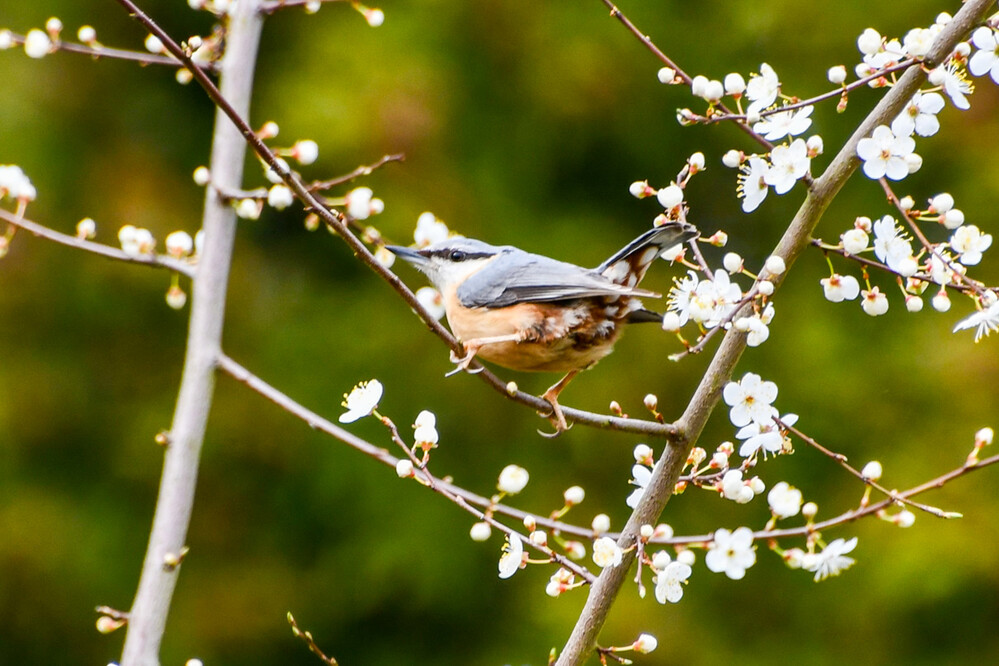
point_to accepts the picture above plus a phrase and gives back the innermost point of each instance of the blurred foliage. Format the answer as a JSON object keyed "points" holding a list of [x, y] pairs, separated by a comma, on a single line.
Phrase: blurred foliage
{"points": [[521, 123]]}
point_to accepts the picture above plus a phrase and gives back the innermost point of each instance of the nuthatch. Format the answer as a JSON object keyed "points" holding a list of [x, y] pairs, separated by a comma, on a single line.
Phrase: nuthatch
{"points": [[531, 313]]}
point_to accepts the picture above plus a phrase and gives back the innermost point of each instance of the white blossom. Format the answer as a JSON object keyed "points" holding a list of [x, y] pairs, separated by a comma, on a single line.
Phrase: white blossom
{"points": [[731, 552], [969, 242], [431, 300], [884, 153], [891, 246], [986, 59], [429, 230], [874, 302], [750, 399], [670, 580], [984, 321], [752, 184], [854, 240], [37, 44], [957, 87], [362, 400], [785, 123], [645, 644], [512, 479], [641, 475], [764, 435], [788, 164], [832, 560], [513, 556], [606, 552], [919, 115], [785, 500], [838, 288], [762, 89]]}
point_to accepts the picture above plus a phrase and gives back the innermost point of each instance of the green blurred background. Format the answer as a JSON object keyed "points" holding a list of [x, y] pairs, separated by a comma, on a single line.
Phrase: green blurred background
{"points": [[521, 123]]}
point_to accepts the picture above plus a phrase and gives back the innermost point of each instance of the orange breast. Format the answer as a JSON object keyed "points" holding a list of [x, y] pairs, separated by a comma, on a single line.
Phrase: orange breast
{"points": [[554, 337]]}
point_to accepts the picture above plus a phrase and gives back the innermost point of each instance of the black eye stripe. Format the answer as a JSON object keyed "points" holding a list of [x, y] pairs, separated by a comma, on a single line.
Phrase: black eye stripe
{"points": [[459, 255]]}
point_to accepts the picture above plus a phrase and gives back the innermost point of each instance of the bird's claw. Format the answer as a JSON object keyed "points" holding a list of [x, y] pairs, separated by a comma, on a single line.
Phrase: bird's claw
{"points": [[556, 417], [462, 363]]}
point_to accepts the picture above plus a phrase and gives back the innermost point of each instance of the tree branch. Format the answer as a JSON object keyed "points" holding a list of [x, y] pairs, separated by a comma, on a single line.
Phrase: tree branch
{"points": [[147, 618], [602, 593], [154, 260]]}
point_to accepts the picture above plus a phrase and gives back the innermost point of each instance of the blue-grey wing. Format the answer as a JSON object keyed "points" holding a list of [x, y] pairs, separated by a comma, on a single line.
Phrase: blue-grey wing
{"points": [[517, 277]]}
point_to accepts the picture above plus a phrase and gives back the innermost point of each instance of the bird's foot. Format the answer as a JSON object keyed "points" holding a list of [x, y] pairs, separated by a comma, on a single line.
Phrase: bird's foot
{"points": [[462, 363], [557, 418]]}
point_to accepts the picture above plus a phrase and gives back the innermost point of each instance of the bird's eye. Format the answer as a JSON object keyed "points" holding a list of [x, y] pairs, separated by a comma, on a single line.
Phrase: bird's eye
{"points": [[457, 255]]}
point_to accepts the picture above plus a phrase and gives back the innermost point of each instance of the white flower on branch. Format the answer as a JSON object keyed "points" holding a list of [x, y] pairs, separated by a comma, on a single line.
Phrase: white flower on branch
{"points": [[954, 83], [361, 401], [838, 288], [984, 321], [874, 302], [762, 89], [986, 59], [706, 302], [969, 242], [884, 153], [15, 184], [512, 558], [919, 115], [512, 479], [752, 184], [750, 399], [731, 552], [431, 300], [892, 247], [832, 561], [37, 44], [641, 475], [764, 435], [645, 644], [670, 581], [788, 164], [785, 500], [785, 123], [429, 230], [606, 553]]}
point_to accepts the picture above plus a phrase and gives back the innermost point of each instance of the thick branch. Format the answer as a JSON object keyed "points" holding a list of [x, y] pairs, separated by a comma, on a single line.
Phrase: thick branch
{"points": [[602, 593], [147, 618]]}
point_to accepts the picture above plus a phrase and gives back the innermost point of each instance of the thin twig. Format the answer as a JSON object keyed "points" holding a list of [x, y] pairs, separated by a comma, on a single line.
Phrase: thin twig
{"points": [[457, 495], [838, 92], [272, 6], [319, 185], [100, 51], [306, 636], [153, 260], [841, 460]]}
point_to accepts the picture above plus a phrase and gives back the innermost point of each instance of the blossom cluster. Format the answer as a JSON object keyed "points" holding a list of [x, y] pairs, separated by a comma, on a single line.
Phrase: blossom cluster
{"points": [[943, 264]]}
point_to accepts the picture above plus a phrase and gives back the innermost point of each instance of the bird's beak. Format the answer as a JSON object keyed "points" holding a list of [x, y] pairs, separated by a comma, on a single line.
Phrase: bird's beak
{"points": [[414, 257]]}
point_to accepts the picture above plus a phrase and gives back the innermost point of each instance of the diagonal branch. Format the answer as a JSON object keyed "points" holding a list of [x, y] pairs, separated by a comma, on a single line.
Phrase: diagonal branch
{"points": [[823, 189]]}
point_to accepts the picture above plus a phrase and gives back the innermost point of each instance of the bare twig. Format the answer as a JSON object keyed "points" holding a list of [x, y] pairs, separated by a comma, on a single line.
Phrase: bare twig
{"points": [[319, 185], [840, 459], [306, 636]]}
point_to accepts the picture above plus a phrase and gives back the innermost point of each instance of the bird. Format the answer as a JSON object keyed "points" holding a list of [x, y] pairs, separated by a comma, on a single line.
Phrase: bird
{"points": [[532, 313]]}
